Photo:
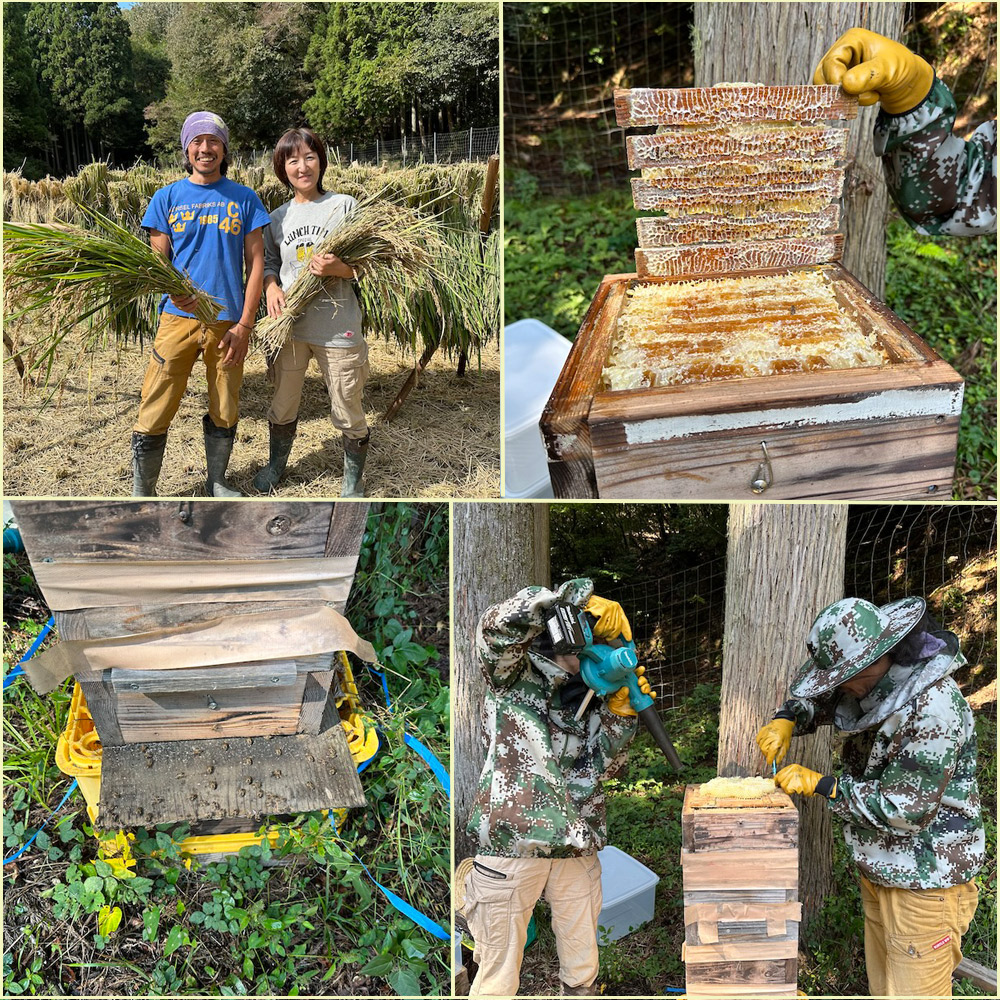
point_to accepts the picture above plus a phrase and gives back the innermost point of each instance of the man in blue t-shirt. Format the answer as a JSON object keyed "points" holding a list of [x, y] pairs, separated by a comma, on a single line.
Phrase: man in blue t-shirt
{"points": [[209, 227]]}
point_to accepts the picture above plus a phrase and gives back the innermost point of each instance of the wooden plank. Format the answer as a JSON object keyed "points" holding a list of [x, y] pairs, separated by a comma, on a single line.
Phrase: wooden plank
{"points": [[771, 991], [698, 897], [721, 920], [745, 103], [880, 459], [565, 430], [659, 231], [740, 869], [347, 527], [981, 976], [715, 143], [264, 674], [314, 699], [211, 715], [737, 951], [771, 822], [168, 529], [147, 783], [749, 973], [714, 259]]}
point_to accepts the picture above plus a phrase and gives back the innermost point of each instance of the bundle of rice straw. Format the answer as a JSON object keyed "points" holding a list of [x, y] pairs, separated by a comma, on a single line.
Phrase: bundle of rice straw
{"points": [[75, 274], [393, 250]]}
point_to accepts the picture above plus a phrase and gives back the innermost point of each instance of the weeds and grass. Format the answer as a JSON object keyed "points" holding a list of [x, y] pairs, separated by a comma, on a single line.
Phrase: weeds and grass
{"points": [[79, 923], [557, 250]]}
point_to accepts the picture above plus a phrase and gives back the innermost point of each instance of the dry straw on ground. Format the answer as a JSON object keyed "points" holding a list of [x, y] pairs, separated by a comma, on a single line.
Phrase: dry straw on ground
{"points": [[445, 441]]}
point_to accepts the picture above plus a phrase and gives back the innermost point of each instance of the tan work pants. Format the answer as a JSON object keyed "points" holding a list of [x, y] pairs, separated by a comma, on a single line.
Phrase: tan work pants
{"points": [[498, 909], [345, 372], [179, 341], [913, 937]]}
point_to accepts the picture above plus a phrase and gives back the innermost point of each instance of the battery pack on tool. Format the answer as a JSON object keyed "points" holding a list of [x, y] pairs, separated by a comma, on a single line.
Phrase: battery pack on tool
{"points": [[568, 629]]}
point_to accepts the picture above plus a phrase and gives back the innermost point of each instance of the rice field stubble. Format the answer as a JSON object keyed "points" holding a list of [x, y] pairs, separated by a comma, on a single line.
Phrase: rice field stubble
{"points": [[444, 442]]}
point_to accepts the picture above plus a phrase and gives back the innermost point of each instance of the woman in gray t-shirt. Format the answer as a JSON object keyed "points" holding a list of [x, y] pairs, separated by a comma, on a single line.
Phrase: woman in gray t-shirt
{"points": [[330, 328]]}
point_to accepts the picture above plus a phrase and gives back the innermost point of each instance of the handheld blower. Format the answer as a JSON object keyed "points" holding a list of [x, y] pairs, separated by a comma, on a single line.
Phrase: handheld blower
{"points": [[605, 669]]}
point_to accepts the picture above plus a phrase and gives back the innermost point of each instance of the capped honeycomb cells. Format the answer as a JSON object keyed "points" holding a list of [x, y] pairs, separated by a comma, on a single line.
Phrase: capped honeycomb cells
{"points": [[684, 332], [737, 788]]}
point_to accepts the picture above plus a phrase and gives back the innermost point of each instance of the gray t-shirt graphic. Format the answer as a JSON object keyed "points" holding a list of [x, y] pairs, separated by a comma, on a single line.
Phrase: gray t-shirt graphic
{"points": [[333, 318]]}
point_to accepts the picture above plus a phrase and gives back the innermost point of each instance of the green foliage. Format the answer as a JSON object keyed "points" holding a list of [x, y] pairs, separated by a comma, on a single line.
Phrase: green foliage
{"points": [[377, 67], [618, 544], [311, 924], [556, 251], [24, 122], [945, 288]]}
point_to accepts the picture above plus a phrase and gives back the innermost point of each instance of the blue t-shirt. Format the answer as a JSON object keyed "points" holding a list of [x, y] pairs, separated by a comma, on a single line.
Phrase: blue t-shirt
{"points": [[206, 224]]}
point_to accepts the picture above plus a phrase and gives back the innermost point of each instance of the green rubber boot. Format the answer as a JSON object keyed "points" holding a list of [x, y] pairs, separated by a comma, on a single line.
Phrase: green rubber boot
{"points": [[355, 454], [281, 438], [218, 448], [147, 457]]}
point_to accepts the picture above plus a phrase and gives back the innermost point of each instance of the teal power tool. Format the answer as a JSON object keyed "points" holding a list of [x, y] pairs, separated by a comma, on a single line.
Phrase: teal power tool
{"points": [[605, 669]]}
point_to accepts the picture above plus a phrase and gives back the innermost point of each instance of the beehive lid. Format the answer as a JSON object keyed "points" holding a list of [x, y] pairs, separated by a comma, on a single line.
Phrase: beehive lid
{"points": [[747, 177]]}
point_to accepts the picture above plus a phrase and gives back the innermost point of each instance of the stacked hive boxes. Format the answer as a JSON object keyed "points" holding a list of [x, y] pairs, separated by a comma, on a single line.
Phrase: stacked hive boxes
{"points": [[742, 358], [739, 860]]}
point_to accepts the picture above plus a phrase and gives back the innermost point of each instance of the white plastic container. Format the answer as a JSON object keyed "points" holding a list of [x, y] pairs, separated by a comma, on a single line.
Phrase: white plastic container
{"points": [[533, 357], [629, 889]]}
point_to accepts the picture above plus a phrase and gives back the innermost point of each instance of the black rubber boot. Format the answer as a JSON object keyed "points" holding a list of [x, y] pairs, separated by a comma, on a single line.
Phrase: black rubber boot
{"points": [[355, 454], [147, 457], [281, 438], [218, 448]]}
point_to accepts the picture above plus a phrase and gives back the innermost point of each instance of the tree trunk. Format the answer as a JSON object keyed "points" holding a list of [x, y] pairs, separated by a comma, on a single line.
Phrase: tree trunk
{"points": [[497, 548], [784, 564], [782, 43]]}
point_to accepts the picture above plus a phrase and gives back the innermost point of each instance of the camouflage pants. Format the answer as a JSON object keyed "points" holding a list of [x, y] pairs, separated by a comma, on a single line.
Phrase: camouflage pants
{"points": [[498, 907], [913, 937]]}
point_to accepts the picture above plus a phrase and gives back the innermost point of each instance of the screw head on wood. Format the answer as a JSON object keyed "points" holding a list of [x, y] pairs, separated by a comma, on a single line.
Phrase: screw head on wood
{"points": [[759, 485], [279, 525]]}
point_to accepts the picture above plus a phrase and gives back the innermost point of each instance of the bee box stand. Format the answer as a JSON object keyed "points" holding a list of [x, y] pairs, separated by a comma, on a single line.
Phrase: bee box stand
{"points": [[739, 863]]}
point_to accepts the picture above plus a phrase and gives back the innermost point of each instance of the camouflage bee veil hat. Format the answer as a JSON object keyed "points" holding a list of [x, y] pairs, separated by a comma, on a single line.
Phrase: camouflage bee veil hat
{"points": [[848, 636]]}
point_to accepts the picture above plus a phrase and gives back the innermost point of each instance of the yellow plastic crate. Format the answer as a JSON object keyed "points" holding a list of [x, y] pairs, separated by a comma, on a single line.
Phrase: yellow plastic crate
{"points": [[78, 754]]}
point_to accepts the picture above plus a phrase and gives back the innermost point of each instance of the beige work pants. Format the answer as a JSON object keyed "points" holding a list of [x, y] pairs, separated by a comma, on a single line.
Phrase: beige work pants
{"points": [[913, 937], [345, 371], [179, 341], [498, 909]]}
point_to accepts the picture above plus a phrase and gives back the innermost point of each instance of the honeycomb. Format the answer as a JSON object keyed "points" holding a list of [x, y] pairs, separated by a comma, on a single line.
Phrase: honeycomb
{"points": [[683, 332], [737, 788]]}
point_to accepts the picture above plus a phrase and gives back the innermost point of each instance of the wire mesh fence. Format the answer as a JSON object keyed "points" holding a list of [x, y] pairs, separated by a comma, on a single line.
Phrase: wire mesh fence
{"points": [[943, 552], [562, 62], [438, 147]]}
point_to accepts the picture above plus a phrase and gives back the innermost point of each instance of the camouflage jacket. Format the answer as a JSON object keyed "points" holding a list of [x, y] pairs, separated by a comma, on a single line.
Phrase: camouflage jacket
{"points": [[942, 185], [909, 797], [540, 792]]}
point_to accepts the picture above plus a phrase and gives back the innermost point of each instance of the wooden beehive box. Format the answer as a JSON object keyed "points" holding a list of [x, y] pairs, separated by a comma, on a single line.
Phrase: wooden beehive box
{"points": [[878, 432], [253, 732], [740, 870]]}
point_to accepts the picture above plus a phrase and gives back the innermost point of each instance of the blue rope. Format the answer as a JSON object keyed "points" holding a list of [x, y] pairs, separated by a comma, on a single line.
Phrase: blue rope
{"points": [[31, 840], [397, 902], [414, 744], [18, 669], [8, 680]]}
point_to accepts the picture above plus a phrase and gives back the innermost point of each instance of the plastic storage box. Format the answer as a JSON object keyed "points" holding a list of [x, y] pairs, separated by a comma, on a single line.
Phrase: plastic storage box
{"points": [[629, 890], [533, 356]]}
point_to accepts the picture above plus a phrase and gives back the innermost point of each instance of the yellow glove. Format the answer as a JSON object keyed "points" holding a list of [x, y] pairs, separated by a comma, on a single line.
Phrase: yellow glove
{"points": [[798, 780], [611, 620], [619, 702], [775, 738], [876, 69]]}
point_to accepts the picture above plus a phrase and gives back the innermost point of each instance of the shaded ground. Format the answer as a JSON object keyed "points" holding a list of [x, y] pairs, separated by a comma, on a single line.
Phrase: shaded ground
{"points": [[444, 442]]}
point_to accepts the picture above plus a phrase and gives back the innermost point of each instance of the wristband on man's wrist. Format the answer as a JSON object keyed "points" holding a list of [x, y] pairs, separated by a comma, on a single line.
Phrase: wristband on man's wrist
{"points": [[827, 786]]}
